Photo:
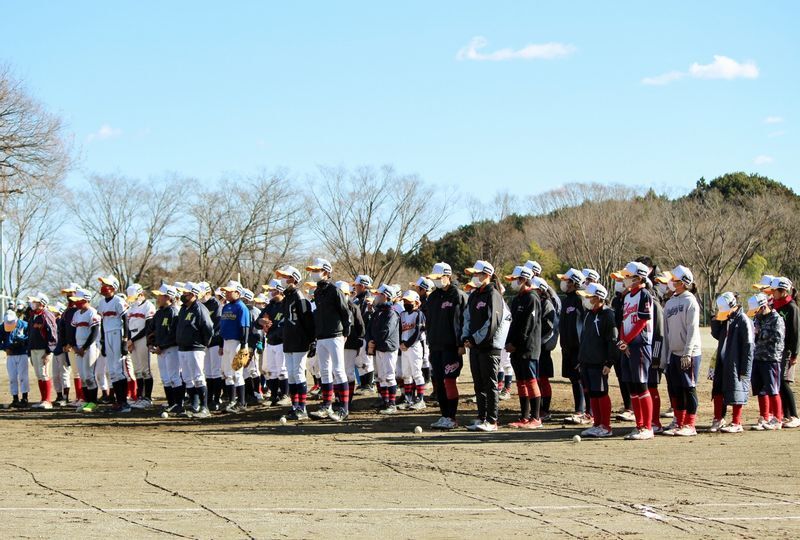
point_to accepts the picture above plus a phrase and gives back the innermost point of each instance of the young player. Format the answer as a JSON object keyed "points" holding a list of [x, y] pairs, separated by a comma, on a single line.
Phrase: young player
{"points": [[355, 341], [274, 367], [212, 369], [332, 326], [69, 340], [364, 362], [784, 301], [255, 342], [298, 333], [383, 341], [139, 317], [550, 314], [484, 334], [165, 346], [61, 362], [14, 342], [86, 322], [524, 343], [412, 321], [42, 341], [626, 414], [681, 350], [636, 340], [736, 343], [423, 288], [112, 311], [193, 333], [234, 329], [770, 338], [596, 356], [569, 330]]}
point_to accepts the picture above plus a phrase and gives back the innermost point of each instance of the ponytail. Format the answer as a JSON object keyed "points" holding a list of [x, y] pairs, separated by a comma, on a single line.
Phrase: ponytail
{"points": [[693, 288]]}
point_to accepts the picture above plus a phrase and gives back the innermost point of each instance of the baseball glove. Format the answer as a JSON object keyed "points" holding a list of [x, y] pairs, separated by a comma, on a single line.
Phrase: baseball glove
{"points": [[241, 359]]}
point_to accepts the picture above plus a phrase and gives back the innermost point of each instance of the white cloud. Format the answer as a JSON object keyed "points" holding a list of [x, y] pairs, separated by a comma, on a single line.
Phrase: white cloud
{"points": [[721, 68], [105, 132], [773, 120], [533, 51], [763, 160]]}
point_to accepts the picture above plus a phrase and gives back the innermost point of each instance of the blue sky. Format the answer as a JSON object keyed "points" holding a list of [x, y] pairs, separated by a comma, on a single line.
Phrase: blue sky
{"points": [[205, 88]]}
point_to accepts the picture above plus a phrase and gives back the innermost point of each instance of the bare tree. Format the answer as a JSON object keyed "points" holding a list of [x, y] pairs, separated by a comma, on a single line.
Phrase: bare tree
{"points": [[367, 218], [127, 223]]}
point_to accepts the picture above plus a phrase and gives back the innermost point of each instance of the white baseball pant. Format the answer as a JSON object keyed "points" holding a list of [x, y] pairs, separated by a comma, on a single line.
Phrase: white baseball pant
{"points": [[385, 363], [41, 369], [101, 371], [275, 362], [412, 365], [296, 366], [17, 366], [87, 366], [365, 362], [61, 372], [212, 365], [141, 359], [229, 349], [330, 352], [115, 363], [252, 368], [313, 365], [505, 362], [192, 368], [169, 367], [350, 361]]}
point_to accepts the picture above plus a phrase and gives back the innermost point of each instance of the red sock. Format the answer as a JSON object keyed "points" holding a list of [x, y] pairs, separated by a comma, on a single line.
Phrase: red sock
{"points": [[656, 416], [763, 407], [451, 388], [718, 406], [547, 390], [522, 388], [737, 414], [533, 388], [605, 408], [690, 418], [78, 388], [680, 417], [637, 411], [351, 386], [48, 390], [132, 389], [420, 391], [777, 406], [646, 405]]}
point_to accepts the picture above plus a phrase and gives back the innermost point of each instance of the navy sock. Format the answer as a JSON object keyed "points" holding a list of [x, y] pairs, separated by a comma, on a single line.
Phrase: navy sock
{"points": [[507, 382], [242, 397], [283, 386]]}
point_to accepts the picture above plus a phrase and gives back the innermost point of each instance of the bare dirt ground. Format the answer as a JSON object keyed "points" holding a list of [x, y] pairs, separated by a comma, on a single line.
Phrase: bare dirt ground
{"points": [[247, 476]]}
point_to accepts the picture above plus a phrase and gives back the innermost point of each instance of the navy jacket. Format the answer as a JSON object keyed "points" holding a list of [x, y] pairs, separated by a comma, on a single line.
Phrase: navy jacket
{"points": [[735, 365]]}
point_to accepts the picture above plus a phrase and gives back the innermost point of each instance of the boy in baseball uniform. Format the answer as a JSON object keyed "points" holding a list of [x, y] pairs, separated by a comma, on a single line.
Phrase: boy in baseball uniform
{"points": [[86, 322], [274, 364], [234, 329], [139, 317], [383, 341], [255, 342], [112, 311], [14, 342], [193, 333], [412, 322], [61, 361], [355, 341], [65, 325], [213, 361], [42, 341], [165, 346], [364, 362]]}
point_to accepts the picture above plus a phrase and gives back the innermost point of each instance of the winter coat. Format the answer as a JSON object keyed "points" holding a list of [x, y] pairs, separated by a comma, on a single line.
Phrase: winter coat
{"points": [[734, 357], [770, 337]]}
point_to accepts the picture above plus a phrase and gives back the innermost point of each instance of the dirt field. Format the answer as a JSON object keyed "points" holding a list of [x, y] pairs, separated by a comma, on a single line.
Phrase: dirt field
{"points": [[247, 476]]}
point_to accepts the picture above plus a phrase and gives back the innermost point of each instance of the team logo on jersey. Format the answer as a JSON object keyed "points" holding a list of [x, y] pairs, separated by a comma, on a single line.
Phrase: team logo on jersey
{"points": [[407, 326], [450, 368], [189, 316], [447, 304], [480, 305]]}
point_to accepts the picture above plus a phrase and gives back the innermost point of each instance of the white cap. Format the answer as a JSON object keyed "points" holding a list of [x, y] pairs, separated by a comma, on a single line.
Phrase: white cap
{"points": [[10, 317], [39, 297], [764, 282], [535, 267], [681, 273], [634, 268], [594, 289], [260, 299], [424, 283], [343, 286], [110, 281], [166, 290], [573, 274], [589, 273], [725, 303], [71, 288], [520, 272], [289, 271], [480, 267], [440, 269], [248, 295], [191, 287], [411, 296], [756, 302], [205, 287], [58, 307], [233, 286], [781, 283], [539, 283], [133, 291], [320, 264], [274, 285], [363, 279], [80, 294], [387, 290]]}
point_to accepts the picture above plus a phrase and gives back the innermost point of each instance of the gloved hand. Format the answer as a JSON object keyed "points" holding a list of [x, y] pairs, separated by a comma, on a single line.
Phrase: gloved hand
{"points": [[686, 363]]}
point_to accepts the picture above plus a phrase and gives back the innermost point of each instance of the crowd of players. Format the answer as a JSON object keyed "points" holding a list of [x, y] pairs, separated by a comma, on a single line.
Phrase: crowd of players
{"points": [[354, 337]]}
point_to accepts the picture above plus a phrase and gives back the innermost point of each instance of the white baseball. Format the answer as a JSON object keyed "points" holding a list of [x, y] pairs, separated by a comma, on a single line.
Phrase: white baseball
{"points": [[576, 439], [283, 420], [165, 414], [418, 430]]}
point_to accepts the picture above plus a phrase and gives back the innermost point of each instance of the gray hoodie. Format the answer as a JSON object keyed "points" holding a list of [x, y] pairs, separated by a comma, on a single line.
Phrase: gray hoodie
{"points": [[681, 327]]}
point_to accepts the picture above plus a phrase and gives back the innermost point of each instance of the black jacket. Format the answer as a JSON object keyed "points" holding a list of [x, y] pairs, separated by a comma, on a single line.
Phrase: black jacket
{"points": [[213, 307], [384, 328], [568, 324], [331, 316], [444, 318], [525, 332], [164, 326], [356, 338], [791, 319], [298, 322], [274, 312], [69, 331], [194, 329], [483, 317], [598, 338]]}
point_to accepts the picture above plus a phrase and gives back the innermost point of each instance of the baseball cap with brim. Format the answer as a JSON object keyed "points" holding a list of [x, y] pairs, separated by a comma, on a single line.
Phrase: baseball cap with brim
{"points": [[411, 296], [260, 299], [783, 283], [594, 290], [764, 282], [520, 272], [591, 273], [111, 281], [535, 267], [166, 290], [573, 274], [756, 302], [289, 271], [726, 302], [71, 288], [133, 292], [274, 285], [387, 290], [440, 269], [310, 285], [10, 317], [683, 274], [539, 283], [480, 267], [664, 277], [248, 295], [423, 283], [233, 286], [363, 279], [320, 264], [634, 268], [343, 286], [468, 286], [39, 297], [191, 287], [80, 294], [616, 276], [58, 307]]}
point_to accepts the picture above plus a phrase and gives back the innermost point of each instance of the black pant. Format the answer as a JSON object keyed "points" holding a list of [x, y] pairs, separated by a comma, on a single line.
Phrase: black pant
{"points": [[445, 364], [484, 366]]}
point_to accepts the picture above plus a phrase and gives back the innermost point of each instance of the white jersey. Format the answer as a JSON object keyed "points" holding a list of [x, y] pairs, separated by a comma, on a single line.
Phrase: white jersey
{"points": [[83, 323], [111, 311], [138, 315]]}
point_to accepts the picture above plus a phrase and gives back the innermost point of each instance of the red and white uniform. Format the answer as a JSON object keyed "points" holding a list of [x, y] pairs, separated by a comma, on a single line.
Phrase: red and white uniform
{"points": [[84, 321], [111, 311], [137, 315]]}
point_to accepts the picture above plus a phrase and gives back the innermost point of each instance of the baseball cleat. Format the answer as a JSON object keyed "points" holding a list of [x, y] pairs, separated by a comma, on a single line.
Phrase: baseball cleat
{"points": [[733, 428], [717, 425], [388, 410], [321, 413], [486, 426]]}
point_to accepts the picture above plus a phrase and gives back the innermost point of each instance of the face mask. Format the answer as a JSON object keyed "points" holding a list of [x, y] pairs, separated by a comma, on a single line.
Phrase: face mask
{"points": [[105, 290], [515, 285], [563, 286], [184, 298], [619, 288], [408, 307], [476, 281], [671, 285], [663, 289], [438, 283], [316, 276], [588, 304], [628, 282], [283, 282]]}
